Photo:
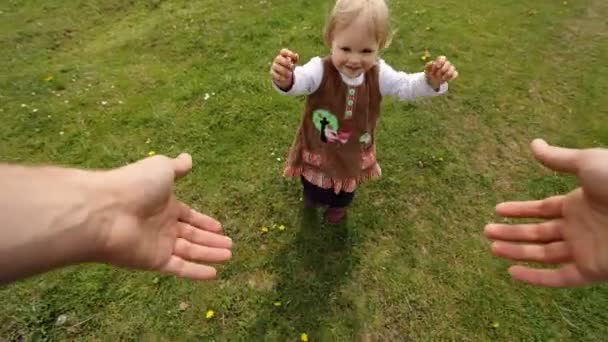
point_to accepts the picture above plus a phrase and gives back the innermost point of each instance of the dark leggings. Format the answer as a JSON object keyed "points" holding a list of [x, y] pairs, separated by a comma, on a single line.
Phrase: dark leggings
{"points": [[326, 196]]}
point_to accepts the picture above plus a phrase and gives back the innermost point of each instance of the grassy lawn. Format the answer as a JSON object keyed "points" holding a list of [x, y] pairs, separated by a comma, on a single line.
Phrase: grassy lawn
{"points": [[102, 83]]}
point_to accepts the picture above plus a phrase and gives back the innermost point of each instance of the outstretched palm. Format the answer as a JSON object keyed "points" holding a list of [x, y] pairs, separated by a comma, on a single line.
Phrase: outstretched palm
{"points": [[155, 231], [575, 231]]}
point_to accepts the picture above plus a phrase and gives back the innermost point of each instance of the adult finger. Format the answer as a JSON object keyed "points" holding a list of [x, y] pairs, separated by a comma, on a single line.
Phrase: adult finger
{"points": [[194, 252], [187, 269], [550, 207], [534, 232], [566, 276], [203, 237], [554, 252], [199, 220], [182, 165]]}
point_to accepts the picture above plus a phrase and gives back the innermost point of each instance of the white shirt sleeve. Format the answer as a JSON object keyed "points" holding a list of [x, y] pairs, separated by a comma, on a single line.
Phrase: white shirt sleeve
{"points": [[405, 86], [307, 78]]}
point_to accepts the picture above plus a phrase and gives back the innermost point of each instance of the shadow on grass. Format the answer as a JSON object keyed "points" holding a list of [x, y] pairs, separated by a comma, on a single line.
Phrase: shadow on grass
{"points": [[310, 271]]}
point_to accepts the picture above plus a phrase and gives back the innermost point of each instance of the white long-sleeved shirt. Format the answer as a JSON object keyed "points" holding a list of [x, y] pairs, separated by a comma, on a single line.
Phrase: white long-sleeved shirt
{"points": [[307, 79]]}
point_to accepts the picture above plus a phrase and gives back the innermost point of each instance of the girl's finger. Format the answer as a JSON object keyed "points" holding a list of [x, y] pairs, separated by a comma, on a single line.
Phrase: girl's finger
{"points": [[286, 53], [446, 67], [282, 71], [440, 61], [284, 61], [449, 75], [295, 58], [277, 77]]}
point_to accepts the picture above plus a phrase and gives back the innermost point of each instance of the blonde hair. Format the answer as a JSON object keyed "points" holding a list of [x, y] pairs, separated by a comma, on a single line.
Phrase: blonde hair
{"points": [[346, 11]]}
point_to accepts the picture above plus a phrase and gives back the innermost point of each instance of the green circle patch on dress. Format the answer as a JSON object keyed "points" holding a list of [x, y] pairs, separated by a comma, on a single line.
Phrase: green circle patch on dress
{"points": [[321, 118]]}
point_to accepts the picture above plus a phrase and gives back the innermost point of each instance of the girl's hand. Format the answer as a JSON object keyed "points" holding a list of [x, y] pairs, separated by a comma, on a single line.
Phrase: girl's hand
{"points": [[282, 69], [439, 71]]}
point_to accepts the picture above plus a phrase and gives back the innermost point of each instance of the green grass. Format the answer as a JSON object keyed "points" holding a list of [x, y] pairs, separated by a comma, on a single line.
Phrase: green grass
{"points": [[410, 263]]}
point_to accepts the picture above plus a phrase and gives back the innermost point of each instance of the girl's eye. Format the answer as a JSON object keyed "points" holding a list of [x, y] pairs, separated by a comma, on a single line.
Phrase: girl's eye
{"points": [[367, 51], [345, 49]]}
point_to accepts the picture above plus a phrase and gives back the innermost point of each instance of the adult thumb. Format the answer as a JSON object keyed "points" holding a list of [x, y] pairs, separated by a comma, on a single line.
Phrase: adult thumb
{"points": [[182, 165], [556, 158]]}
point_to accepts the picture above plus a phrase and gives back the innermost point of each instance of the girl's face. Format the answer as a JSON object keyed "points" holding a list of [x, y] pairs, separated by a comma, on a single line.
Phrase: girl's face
{"points": [[354, 48]]}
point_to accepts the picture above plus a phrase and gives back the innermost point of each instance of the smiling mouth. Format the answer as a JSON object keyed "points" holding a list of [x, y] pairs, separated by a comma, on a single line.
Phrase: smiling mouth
{"points": [[352, 68]]}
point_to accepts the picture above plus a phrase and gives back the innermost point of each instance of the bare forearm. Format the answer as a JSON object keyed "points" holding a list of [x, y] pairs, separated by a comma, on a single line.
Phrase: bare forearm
{"points": [[48, 218]]}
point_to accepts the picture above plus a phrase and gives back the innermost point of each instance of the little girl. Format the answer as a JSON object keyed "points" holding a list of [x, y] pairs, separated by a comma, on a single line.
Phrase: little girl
{"points": [[334, 149]]}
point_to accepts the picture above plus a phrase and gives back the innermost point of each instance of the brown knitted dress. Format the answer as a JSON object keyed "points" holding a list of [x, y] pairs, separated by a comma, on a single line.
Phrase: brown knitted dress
{"points": [[334, 147]]}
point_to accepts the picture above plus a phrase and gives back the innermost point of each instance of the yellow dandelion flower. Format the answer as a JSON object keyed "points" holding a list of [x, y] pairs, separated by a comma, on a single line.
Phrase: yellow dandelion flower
{"points": [[427, 55], [151, 153], [48, 78], [304, 337], [281, 227], [495, 325], [264, 230], [277, 304], [210, 314]]}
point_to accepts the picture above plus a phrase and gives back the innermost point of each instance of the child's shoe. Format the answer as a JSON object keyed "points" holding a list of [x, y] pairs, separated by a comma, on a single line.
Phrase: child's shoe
{"points": [[335, 215]]}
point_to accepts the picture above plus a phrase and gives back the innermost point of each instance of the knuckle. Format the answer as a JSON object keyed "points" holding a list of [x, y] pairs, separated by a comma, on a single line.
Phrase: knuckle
{"points": [[188, 232], [533, 235], [594, 268]]}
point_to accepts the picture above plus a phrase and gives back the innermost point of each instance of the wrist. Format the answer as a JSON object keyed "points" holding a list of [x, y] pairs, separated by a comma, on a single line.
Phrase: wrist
{"points": [[103, 210], [75, 210]]}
